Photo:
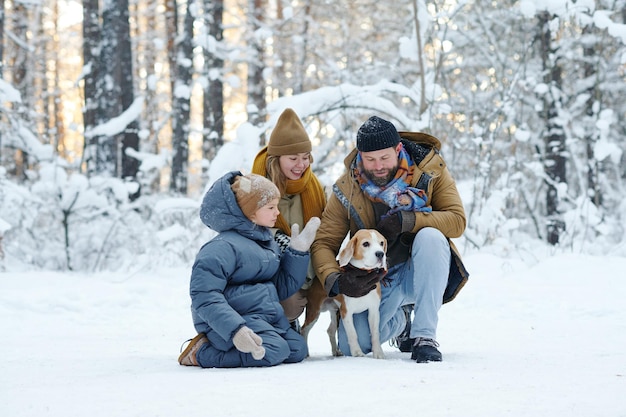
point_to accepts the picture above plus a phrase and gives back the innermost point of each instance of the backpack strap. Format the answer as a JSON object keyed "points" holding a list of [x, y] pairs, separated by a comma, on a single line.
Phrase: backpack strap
{"points": [[346, 203]]}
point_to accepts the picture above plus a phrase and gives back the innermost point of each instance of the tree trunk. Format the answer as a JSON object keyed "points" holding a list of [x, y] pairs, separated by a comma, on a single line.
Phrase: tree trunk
{"points": [[115, 92], [110, 104], [554, 161], [130, 165], [2, 15], [171, 25], [1, 69], [300, 73], [91, 64], [182, 95], [55, 128], [256, 86], [591, 136], [18, 62], [213, 101], [420, 53]]}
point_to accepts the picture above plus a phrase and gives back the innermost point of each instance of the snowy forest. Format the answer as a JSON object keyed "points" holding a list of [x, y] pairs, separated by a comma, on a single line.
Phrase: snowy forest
{"points": [[116, 115]]}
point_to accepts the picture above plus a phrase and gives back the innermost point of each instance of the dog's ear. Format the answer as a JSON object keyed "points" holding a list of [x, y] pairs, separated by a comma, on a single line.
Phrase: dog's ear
{"points": [[346, 253], [385, 250], [383, 239]]}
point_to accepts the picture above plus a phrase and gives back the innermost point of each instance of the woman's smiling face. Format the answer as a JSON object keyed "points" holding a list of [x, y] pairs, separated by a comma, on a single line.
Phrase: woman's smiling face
{"points": [[293, 166]]}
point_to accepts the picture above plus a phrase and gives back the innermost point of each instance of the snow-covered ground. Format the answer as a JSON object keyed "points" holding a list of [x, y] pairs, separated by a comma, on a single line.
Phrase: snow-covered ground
{"points": [[540, 338]]}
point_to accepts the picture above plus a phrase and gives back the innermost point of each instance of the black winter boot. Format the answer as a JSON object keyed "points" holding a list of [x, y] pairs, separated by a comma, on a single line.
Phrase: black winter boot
{"points": [[425, 350]]}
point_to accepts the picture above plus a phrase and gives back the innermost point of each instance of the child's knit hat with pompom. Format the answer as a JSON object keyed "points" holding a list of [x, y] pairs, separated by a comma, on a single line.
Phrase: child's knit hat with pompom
{"points": [[252, 192]]}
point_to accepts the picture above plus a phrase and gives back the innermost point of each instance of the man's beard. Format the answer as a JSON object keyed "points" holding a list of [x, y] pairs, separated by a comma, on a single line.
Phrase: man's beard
{"points": [[381, 181]]}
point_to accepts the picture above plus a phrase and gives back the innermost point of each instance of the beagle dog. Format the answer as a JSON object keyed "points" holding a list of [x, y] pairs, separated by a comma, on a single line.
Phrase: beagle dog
{"points": [[367, 250]]}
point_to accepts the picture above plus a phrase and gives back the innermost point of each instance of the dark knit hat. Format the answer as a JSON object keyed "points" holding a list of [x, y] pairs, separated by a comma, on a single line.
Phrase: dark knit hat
{"points": [[289, 136], [376, 134], [252, 192]]}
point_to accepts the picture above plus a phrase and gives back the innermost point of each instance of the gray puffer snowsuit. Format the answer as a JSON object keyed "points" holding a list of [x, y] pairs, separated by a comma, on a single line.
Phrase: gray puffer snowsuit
{"points": [[238, 279]]}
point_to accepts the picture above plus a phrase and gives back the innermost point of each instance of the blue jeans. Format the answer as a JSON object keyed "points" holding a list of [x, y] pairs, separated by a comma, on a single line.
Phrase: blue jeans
{"points": [[421, 281]]}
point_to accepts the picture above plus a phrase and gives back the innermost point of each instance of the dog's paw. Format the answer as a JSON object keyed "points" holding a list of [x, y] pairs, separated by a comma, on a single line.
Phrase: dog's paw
{"points": [[378, 354], [337, 353], [357, 353]]}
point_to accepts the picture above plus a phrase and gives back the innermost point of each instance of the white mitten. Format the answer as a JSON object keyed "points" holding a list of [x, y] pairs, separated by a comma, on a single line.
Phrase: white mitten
{"points": [[303, 241], [246, 341]]}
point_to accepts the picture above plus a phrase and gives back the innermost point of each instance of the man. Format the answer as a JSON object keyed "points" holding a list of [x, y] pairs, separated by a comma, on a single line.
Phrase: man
{"points": [[398, 184]]}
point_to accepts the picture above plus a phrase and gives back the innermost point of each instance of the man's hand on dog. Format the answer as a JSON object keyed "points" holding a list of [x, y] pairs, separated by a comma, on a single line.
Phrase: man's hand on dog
{"points": [[355, 282]]}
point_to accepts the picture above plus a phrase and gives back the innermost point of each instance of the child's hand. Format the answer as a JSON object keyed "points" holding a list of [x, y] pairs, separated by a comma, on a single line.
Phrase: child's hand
{"points": [[246, 341], [303, 241]]}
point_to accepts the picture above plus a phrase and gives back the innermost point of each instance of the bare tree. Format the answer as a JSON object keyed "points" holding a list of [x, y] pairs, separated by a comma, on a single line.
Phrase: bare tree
{"points": [[91, 67]]}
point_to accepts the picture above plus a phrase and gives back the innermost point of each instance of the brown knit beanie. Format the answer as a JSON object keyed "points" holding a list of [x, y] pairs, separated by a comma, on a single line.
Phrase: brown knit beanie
{"points": [[252, 192], [289, 136]]}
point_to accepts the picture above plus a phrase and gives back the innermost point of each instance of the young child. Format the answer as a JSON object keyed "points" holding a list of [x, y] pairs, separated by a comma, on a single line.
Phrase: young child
{"points": [[240, 276]]}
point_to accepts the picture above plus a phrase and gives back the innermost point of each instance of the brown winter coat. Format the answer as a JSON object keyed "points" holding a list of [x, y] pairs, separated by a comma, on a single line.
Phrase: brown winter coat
{"points": [[448, 215]]}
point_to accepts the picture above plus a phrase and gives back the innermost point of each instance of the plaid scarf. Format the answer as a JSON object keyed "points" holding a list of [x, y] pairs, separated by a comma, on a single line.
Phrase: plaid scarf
{"points": [[397, 194]]}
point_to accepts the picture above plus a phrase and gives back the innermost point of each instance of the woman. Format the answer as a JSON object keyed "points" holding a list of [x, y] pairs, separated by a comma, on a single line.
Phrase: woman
{"points": [[286, 161]]}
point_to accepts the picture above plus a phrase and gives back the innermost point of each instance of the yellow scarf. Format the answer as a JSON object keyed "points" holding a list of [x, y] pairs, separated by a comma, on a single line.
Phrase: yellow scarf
{"points": [[308, 186]]}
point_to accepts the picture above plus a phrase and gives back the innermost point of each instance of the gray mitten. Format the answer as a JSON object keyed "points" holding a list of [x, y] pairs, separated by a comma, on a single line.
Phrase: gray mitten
{"points": [[302, 241], [246, 341]]}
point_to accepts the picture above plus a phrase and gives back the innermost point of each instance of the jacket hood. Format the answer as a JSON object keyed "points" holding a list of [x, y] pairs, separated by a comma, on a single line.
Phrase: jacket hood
{"points": [[220, 212]]}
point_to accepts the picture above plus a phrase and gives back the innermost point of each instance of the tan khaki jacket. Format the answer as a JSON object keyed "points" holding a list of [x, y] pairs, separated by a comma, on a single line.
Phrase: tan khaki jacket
{"points": [[349, 210]]}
